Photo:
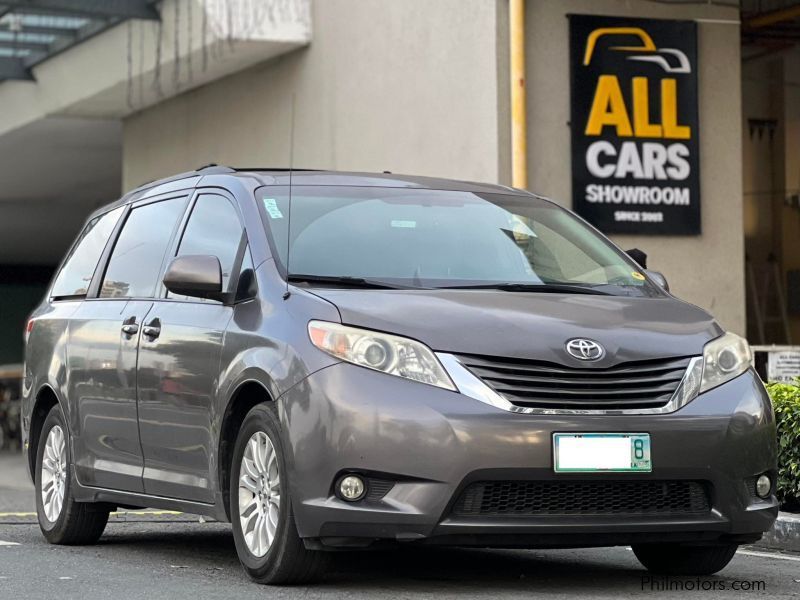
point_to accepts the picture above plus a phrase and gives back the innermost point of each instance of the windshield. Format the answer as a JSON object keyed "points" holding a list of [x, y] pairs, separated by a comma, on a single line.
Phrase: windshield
{"points": [[438, 239]]}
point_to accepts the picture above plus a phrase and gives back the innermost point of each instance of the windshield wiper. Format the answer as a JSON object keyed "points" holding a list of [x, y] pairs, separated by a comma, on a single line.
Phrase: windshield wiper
{"points": [[347, 281], [545, 288]]}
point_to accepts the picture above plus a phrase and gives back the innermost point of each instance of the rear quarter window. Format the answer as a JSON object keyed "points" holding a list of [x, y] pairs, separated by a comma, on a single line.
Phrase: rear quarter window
{"points": [[80, 264]]}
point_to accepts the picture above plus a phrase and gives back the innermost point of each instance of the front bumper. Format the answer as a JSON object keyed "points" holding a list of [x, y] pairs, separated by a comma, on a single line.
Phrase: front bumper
{"points": [[432, 443]]}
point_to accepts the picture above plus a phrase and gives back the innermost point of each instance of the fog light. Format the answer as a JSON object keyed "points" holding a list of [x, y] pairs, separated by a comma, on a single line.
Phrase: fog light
{"points": [[763, 486], [352, 488]]}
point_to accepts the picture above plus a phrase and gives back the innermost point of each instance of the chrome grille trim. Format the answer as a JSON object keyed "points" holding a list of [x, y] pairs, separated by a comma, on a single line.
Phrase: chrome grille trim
{"points": [[471, 385]]}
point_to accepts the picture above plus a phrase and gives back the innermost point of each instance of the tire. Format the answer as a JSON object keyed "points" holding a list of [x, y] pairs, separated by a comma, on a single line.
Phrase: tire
{"points": [[75, 523], [284, 560], [684, 559]]}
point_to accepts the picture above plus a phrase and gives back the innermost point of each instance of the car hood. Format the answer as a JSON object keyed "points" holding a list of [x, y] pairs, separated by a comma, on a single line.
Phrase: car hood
{"points": [[530, 325]]}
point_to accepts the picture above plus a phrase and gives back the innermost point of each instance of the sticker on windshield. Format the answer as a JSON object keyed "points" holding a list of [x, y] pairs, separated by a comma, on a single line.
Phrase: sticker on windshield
{"points": [[637, 275], [272, 208], [404, 224]]}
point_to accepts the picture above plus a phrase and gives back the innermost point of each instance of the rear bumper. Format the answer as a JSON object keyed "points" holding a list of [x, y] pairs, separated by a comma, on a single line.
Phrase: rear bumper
{"points": [[432, 443]]}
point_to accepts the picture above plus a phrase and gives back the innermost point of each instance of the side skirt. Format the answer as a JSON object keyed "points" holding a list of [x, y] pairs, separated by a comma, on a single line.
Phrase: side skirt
{"points": [[93, 494]]}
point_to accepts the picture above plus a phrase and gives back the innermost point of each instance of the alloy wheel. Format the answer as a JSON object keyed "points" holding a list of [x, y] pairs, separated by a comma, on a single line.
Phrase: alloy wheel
{"points": [[259, 494], [54, 473]]}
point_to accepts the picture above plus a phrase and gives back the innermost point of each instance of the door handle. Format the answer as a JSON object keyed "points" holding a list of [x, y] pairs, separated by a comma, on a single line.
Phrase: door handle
{"points": [[152, 329], [130, 329]]}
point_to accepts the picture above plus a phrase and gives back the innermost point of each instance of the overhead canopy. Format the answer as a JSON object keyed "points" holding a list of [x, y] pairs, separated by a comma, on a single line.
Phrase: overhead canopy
{"points": [[31, 31], [91, 63]]}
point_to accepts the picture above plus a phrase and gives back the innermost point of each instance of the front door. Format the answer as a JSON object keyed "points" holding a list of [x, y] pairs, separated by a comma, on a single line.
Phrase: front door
{"points": [[179, 363], [178, 373]]}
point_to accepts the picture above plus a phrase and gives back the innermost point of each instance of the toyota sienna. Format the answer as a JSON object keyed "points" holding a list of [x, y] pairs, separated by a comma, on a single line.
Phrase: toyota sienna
{"points": [[340, 360]]}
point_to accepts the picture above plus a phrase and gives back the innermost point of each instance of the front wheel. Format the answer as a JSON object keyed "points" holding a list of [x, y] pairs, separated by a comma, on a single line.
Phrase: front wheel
{"points": [[264, 530], [62, 519], [684, 559]]}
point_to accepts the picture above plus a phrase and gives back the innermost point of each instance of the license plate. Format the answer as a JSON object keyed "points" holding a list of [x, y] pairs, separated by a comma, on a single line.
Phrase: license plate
{"points": [[601, 452]]}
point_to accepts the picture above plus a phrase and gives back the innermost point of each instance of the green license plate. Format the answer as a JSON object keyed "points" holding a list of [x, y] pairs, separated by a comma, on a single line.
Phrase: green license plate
{"points": [[601, 452]]}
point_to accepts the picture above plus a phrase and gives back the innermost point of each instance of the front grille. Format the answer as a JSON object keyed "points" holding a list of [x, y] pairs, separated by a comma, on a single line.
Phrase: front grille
{"points": [[541, 498], [539, 384]]}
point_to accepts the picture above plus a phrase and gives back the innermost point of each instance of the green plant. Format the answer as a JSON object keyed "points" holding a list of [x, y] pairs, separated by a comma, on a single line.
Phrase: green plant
{"points": [[786, 400]]}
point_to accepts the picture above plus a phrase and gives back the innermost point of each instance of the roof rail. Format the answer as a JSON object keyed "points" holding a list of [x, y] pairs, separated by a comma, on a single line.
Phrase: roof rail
{"points": [[210, 169], [270, 169], [155, 182], [214, 169]]}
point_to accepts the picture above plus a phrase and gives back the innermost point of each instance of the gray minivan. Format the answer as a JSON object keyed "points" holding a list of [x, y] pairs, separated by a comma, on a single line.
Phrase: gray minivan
{"points": [[341, 360]]}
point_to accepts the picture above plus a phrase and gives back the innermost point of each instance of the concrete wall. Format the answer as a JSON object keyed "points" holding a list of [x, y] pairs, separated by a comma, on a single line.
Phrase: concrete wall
{"points": [[402, 86], [707, 270]]}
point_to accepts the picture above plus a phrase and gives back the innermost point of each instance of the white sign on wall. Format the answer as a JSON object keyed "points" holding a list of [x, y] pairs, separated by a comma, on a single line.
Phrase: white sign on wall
{"points": [[783, 366]]}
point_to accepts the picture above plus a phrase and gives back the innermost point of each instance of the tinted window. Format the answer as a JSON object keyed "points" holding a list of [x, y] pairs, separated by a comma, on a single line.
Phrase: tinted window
{"points": [[214, 229], [136, 260], [75, 276]]}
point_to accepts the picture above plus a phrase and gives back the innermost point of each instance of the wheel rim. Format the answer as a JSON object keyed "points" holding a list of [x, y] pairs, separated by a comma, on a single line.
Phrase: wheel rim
{"points": [[259, 494], [54, 473]]}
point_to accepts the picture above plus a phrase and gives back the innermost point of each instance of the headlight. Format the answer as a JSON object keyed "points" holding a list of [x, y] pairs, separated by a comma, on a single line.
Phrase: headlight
{"points": [[724, 358], [390, 354]]}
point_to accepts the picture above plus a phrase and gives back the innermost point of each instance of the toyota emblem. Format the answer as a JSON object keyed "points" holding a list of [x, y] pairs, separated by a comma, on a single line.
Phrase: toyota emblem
{"points": [[584, 349]]}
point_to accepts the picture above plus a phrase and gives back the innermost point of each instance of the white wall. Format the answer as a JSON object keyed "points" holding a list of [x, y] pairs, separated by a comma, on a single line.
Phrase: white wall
{"points": [[707, 270], [405, 86]]}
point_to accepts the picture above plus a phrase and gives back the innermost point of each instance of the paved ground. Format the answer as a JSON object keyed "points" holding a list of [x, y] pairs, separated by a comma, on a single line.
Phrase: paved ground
{"points": [[173, 556]]}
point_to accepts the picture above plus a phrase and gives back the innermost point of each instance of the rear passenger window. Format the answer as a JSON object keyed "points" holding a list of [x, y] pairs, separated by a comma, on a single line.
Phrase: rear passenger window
{"points": [[139, 252], [214, 228], [78, 269]]}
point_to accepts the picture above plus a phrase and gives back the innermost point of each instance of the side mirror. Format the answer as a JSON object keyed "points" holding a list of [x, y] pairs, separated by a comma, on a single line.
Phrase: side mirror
{"points": [[639, 256], [658, 278], [196, 276]]}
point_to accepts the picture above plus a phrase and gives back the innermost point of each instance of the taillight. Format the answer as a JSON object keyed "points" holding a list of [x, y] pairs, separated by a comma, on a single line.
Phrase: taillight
{"points": [[29, 328]]}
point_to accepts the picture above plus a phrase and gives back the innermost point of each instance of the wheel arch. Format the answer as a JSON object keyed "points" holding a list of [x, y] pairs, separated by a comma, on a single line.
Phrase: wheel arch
{"points": [[46, 399], [248, 393]]}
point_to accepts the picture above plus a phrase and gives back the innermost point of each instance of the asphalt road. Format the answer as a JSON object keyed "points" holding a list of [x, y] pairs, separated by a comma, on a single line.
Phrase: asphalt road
{"points": [[165, 555]]}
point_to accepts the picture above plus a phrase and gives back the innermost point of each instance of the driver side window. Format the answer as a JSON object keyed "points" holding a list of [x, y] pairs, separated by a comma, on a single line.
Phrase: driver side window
{"points": [[214, 229]]}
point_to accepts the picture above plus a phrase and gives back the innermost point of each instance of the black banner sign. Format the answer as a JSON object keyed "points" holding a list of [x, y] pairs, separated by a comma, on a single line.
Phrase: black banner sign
{"points": [[635, 166]]}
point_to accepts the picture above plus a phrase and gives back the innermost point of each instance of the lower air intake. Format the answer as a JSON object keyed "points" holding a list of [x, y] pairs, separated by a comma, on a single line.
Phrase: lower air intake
{"points": [[538, 498]]}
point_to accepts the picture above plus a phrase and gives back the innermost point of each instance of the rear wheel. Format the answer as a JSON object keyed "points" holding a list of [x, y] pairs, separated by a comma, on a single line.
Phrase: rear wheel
{"points": [[62, 519], [264, 529], [684, 559]]}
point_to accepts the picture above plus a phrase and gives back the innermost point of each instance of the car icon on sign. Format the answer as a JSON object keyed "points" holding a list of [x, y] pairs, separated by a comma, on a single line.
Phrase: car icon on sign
{"points": [[671, 60]]}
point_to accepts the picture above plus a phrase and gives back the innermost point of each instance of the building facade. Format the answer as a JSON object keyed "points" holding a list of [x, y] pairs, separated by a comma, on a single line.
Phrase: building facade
{"points": [[408, 86]]}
